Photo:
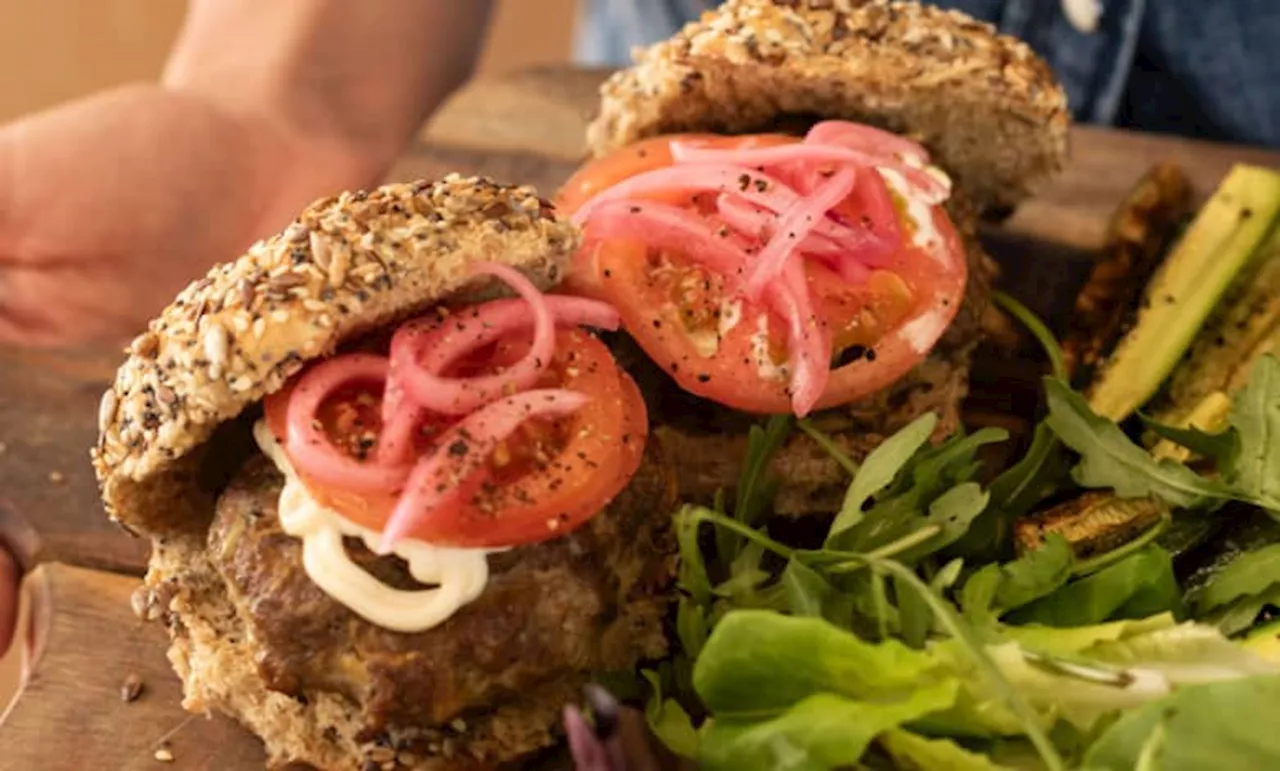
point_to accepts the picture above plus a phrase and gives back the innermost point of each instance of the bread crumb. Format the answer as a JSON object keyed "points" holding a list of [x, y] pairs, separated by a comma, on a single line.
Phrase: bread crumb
{"points": [[131, 688]]}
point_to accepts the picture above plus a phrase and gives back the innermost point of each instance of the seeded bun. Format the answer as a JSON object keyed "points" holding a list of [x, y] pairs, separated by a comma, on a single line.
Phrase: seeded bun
{"points": [[345, 266], [988, 108]]}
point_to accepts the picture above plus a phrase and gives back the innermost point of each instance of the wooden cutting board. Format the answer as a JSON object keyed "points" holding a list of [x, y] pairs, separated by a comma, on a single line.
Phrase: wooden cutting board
{"points": [[524, 127]]}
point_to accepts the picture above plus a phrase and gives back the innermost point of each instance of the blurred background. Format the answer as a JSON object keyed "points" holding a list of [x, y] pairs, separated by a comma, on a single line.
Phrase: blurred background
{"points": [[56, 50]]}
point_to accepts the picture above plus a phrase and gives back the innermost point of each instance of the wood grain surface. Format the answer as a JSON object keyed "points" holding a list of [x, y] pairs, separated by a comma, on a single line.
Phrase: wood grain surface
{"points": [[525, 127]]}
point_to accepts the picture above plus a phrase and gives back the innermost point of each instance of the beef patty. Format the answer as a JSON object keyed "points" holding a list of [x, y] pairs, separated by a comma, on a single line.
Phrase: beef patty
{"points": [[494, 675]]}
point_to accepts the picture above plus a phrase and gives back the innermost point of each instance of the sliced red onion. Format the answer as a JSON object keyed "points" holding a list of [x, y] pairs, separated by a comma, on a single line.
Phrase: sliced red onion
{"points": [[795, 225], [777, 155], [308, 445], [756, 186], [663, 226], [807, 341], [867, 139], [458, 462], [419, 363]]}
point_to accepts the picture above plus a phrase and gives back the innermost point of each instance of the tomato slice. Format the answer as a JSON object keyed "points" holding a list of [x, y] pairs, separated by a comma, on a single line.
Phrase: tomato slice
{"points": [[726, 348], [547, 479]]}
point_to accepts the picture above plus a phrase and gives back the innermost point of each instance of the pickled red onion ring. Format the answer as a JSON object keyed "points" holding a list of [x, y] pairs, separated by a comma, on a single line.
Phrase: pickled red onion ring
{"points": [[458, 463], [762, 190], [867, 139], [426, 387], [807, 344], [423, 349], [663, 226], [929, 186], [308, 445], [794, 226], [829, 237]]}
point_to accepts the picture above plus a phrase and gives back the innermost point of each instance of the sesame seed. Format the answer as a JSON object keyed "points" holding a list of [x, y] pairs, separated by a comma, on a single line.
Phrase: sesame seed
{"points": [[107, 409], [215, 347], [164, 755], [57, 477]]}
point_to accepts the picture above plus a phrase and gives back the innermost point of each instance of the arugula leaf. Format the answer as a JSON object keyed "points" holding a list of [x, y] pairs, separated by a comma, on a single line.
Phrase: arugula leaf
{"points": [[1255, 414], [669, 721], [758, 662], [997, 589], [824, 731], [826, 443], [1251, 573], [1038, 329], [1015, 492], [915, 619], [952, 512], [806, 592], [691, 626], [762, 445], [1141, 585], [1223, 447], [756, 487], [692, 572], [899, 510], [1224, 725], [1108, 459], [880, 467], [913, 752]]}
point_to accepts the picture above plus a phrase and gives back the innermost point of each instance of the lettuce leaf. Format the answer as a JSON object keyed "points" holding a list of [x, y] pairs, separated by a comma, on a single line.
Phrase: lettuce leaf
{"points": [[1223, 725], [823, 731]]}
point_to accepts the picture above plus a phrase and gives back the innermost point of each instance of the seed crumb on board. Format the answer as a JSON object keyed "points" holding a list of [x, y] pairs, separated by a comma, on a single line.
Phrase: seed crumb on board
{"points": [[57, 477], [164, 755], [131, 688]]}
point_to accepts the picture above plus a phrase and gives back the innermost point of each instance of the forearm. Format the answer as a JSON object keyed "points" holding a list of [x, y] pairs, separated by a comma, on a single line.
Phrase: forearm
{"points": [[356, 77]]}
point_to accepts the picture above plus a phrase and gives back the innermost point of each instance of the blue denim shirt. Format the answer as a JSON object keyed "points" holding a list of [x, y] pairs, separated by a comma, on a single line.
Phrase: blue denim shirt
{"points": [[1201, 68]]}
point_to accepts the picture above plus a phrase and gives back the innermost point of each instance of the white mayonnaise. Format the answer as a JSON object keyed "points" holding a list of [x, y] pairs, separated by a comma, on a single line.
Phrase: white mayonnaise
{"points": [[457, 576], [760, 352], [926, 235]]}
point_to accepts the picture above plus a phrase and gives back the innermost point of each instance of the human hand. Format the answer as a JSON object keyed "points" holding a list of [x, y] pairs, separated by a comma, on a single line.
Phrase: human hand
{"points": [[110, 205], [10, 580]]}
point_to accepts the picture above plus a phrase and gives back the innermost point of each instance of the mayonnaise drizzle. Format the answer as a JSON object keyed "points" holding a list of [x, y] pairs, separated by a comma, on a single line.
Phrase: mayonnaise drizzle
{"points": [[458, 576], [926, 235]]}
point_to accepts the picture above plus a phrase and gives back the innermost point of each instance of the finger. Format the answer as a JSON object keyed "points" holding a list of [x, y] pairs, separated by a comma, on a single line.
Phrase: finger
{"points": [[9, 580]]}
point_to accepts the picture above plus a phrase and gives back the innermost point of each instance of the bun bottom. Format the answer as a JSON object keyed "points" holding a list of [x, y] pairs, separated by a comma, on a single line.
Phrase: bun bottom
{"points": [[214, 655]]}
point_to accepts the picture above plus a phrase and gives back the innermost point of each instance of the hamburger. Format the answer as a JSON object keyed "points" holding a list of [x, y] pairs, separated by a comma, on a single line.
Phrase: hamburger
{"points": [[805, 180], [399, 517], [268, 432]]}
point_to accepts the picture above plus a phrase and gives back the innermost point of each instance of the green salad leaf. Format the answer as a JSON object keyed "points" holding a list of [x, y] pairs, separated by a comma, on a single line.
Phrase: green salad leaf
{"points": [[1226, 725], [823, 731], [669, 721], [913, 752], [997, 589], [1142, 584], [1249, 574], [879, 469], [1108, 459], [1255, 414], [1223, 446], [758, 662]]}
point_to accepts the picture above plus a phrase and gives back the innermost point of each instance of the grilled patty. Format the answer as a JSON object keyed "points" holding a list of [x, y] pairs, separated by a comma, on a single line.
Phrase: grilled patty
{"points": [[551, 614]]}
